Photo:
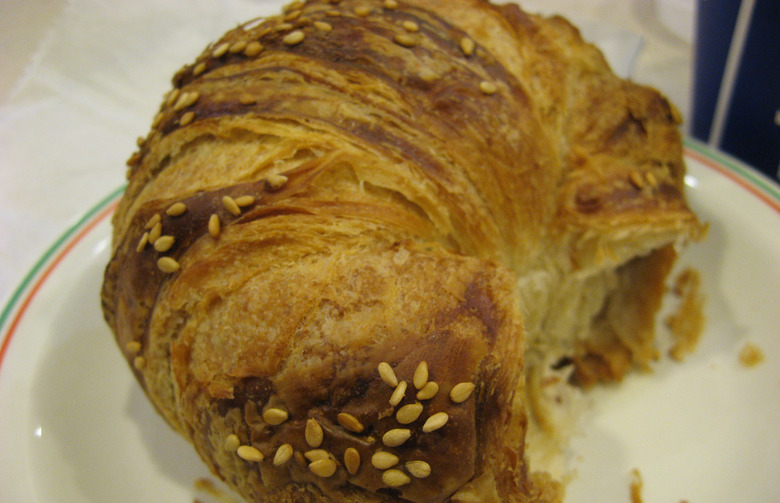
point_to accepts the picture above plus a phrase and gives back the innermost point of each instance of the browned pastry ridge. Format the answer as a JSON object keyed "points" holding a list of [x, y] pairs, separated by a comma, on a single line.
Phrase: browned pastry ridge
{"points": [[357, 228]]}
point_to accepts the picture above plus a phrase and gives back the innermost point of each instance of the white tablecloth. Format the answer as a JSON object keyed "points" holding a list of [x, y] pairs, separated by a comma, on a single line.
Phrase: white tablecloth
{"points": [[82, 79]]}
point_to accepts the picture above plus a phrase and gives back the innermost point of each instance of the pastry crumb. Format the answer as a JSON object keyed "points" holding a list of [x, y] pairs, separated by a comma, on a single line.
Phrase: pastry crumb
{"points": [[687, 322], [636, 486], [750, 355]]}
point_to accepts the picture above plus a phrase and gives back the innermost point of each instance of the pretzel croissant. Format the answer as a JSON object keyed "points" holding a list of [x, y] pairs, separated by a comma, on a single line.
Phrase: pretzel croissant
{"points": [[351, 224]]}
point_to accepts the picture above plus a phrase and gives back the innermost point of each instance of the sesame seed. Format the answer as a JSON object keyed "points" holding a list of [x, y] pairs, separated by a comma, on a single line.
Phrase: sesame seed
{"points": [[409, 413], [244, 201], [173, 96], [164, 243], [488, 87], [155, 233], [214, 226], [313, 433], [238, 47], [418, 469], [275, 182], [186, 100], [133, 346], [467, 46], [316, 454], [410, 26], [390, 4], [332, 13], [294, 38], [461, 392], [352, 460], [142, 242], [299, 458], [156, 218], [158, 119], [387, 374], [323, 26], [398, 393], [636, 179], [249, 453], [350, 422], [247, 99], [405, 40], [192, 97], [275, 416], [395, 478], [230, 204], [435, 422], [140, 141], [283, 27], [323, 468], [232, 442], [199, 68], [283, 454], [253, 49], [293, 15], [176, 209], [167, 265], [396, 437], [382, 460], [139, 362], [220, 50], [428, 391], [187, 119], [651, 179], [420, 375]]}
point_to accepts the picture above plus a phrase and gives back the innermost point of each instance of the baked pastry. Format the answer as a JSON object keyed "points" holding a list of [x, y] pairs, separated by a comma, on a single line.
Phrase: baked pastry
{"points": [[356, 230]]}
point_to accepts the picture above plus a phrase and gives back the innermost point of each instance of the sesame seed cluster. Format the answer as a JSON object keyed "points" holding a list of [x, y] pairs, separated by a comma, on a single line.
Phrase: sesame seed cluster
{"points": [[387, 453], [188, 102], [153, 229]]}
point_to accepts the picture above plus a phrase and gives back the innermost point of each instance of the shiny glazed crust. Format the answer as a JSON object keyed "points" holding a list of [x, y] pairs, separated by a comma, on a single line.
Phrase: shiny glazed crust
{"points": [[352, 186]]}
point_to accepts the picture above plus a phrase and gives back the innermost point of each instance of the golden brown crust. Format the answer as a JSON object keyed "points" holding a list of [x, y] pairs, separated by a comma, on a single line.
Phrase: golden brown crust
{"points": [[359, 182]]}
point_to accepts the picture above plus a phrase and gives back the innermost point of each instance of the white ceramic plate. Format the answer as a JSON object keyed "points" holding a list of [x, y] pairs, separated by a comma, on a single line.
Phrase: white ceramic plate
{"points": [[75, 427]]}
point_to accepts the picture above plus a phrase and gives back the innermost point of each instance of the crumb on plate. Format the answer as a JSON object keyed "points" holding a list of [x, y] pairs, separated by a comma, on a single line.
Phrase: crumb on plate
{"points": [[750, 355]]}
